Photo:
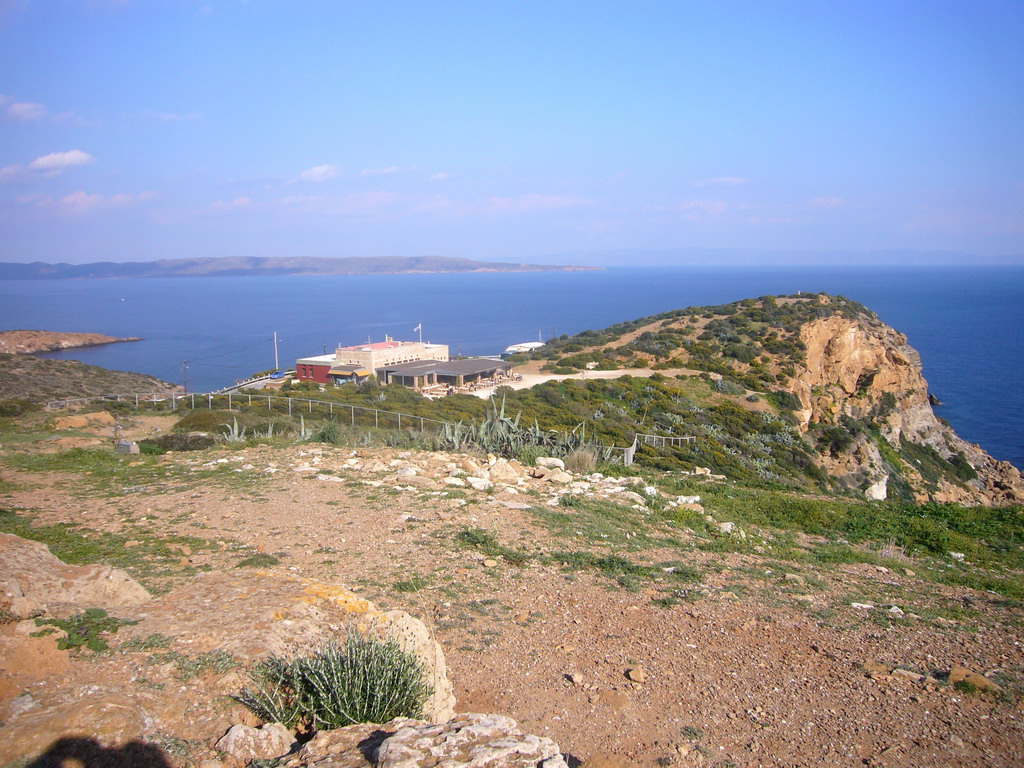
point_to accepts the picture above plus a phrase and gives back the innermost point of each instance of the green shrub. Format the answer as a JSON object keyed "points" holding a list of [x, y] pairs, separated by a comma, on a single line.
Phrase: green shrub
{"points": [[330, 433], [785, 401], [205, 421], [175, 442], [362, 681], [729, 386], [16, 407], [260, 560], [84, 629]]}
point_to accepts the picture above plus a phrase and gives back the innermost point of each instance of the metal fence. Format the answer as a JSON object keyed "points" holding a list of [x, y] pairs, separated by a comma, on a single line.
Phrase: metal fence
{"points": [[357, 415]]}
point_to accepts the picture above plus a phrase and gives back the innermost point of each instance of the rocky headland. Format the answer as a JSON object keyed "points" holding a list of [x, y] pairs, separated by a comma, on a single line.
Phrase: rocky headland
{"points": [[31, 342], [850, 383]]}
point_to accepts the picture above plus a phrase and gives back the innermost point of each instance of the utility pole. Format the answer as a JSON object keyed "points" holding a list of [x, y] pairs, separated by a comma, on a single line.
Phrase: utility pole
{"points": [[277, 367], [184, 365]]}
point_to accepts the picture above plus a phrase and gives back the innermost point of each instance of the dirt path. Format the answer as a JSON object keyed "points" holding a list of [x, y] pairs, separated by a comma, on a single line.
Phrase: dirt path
{"points": [[531, 376]]}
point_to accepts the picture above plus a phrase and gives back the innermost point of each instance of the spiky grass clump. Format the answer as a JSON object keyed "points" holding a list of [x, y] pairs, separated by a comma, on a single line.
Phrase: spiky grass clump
{"points": [[361, 681]]}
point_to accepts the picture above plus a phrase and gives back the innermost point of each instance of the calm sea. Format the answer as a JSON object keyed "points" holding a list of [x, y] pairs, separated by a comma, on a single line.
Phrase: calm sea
{"points": [[966, 322]]}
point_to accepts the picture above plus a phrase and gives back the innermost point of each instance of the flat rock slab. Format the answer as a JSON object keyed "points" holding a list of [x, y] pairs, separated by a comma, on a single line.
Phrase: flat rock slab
{"points": [[33, 581]]}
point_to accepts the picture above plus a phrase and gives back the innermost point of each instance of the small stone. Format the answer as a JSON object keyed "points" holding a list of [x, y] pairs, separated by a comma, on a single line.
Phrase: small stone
{"points": [[632, 496], [875, 669], [575, 678], [906, 674], [637, 674], [550, 462], [513, 504], [503, 472], [962, 674], [908, 572], [264, 743], [479, 483], [490, 563]]}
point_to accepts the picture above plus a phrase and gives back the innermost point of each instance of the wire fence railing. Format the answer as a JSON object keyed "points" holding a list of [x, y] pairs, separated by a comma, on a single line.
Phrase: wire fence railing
{"points": [[355, 415]]}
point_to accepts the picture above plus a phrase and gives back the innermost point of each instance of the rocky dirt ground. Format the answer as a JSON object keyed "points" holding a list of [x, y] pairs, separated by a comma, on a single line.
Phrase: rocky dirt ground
{"points": [[747, 661]]}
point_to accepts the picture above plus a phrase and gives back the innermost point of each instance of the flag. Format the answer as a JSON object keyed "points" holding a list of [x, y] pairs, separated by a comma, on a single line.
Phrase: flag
{"points": [[418, 328]]}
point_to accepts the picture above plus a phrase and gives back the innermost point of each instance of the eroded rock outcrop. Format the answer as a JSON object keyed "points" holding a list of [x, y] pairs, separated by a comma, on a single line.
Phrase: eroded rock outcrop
{"points": [[34, 582], [480, 741], [864, 370], [172, 672]]}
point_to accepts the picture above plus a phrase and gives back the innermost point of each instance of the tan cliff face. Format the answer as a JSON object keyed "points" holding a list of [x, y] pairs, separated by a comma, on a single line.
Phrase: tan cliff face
{"points": [[863, 369]]}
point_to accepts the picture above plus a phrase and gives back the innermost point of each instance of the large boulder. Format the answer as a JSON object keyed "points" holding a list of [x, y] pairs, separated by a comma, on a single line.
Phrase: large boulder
{"points": [[212, 629], [33, 582], [286, 615], [470, 740], [243, 742]]}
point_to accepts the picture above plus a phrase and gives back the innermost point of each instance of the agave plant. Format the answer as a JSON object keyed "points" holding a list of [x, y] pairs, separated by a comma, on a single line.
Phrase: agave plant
{"points": [[233, 433]]}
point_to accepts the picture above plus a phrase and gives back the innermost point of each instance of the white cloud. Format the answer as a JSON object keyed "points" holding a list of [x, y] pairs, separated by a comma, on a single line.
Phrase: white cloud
{"points": [[721, 181], [229, 205], [441, 176], [537, 202], [49, 165], [58, 162], [27, 111], [12, 173], [379, 171], [80, 202], [319, 173]]}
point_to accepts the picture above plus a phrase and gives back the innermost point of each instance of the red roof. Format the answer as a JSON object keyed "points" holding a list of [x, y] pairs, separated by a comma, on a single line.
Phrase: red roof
{"points": [[377, 345]]}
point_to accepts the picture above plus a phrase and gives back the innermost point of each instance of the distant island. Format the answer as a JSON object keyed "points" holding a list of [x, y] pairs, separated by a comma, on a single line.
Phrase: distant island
{"points": [[243, 266]]}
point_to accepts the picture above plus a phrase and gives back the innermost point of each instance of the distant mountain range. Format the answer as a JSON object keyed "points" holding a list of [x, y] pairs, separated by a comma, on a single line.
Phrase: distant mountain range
{"points": [[255, 267]]}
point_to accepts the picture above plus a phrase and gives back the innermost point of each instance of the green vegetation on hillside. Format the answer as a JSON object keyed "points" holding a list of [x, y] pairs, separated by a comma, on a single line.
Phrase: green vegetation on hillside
{"points": [[737, 340], [39, 379]]}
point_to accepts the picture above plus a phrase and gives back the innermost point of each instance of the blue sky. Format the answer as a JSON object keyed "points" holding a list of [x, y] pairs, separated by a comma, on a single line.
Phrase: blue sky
{"points": [[144, 129]]}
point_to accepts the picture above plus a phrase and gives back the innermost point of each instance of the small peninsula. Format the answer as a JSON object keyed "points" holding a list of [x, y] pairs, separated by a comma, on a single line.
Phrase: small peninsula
{"points": [[30, 342], [244, 266]]}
